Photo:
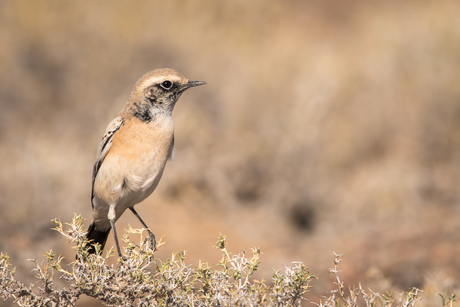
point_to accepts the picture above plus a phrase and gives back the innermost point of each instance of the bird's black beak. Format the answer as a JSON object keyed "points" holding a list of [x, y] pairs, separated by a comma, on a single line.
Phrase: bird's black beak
{"points": [[194, 83]]}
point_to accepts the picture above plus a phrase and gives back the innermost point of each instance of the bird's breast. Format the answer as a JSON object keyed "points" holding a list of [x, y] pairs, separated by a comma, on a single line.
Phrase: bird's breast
{"points": [[136, 160]]}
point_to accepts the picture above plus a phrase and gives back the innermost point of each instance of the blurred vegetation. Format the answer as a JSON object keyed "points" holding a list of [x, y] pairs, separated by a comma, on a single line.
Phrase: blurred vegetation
{"points": [[325, 125]]}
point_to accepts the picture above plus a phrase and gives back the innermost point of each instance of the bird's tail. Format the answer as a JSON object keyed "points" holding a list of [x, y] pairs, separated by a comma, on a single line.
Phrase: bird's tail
{"points": [[96, 236]]}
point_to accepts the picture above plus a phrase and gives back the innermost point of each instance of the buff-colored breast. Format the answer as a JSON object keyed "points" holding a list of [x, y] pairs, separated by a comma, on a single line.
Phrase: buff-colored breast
{"points": [[134, 164]]}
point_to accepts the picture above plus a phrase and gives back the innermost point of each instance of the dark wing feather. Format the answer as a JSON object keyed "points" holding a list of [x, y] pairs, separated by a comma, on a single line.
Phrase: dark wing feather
{"points": [[104, 147], [171, 150]]}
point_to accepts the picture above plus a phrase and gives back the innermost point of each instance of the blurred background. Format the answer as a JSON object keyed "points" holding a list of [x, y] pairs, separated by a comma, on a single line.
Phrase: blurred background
{"points": [[325, 126]]}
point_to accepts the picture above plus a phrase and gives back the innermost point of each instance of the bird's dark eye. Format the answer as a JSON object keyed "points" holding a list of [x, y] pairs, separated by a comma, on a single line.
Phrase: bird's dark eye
{"points": [[166, 84]]}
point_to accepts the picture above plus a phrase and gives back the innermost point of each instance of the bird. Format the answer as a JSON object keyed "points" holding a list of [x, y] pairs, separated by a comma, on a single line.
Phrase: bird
{"points": [[133, 153]]}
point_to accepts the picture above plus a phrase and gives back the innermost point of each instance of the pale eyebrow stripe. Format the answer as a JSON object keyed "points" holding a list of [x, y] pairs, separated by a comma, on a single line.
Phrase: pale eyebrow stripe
{"points": [[158, 79]]}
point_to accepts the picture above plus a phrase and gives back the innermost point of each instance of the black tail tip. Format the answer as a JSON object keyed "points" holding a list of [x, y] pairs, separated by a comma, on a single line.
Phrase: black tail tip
{"points": [[96, 236]]}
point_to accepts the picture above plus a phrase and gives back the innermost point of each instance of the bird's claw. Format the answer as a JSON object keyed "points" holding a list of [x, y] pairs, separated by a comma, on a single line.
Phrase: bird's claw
{"points": [[152, 241]]}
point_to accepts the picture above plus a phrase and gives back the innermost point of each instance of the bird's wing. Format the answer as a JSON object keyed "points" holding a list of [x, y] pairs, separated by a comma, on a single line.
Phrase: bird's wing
{"points": [[104, 147], [172, 151]]}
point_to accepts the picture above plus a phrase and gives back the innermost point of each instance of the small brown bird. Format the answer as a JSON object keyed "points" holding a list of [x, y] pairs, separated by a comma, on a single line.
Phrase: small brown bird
{"points": [[134, 151]]}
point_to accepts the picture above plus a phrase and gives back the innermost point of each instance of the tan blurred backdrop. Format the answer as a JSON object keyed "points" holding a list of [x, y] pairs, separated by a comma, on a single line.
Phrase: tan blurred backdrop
{"points": [[325, 126]]}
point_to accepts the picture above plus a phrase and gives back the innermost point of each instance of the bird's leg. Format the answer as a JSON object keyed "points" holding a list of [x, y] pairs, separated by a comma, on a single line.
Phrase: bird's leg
{"points": [[111, 217], [153, 241]]}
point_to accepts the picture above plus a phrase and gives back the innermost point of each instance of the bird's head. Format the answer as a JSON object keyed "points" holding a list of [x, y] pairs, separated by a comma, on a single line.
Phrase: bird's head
{"points": [[159, 90]]}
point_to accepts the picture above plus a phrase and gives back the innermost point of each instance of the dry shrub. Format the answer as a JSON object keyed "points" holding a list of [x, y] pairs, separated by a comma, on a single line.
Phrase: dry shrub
{"points": [[139, 279]]}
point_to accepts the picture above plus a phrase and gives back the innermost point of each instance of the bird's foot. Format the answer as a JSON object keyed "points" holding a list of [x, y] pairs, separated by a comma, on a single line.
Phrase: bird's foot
{"points": [[152, 241]]}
